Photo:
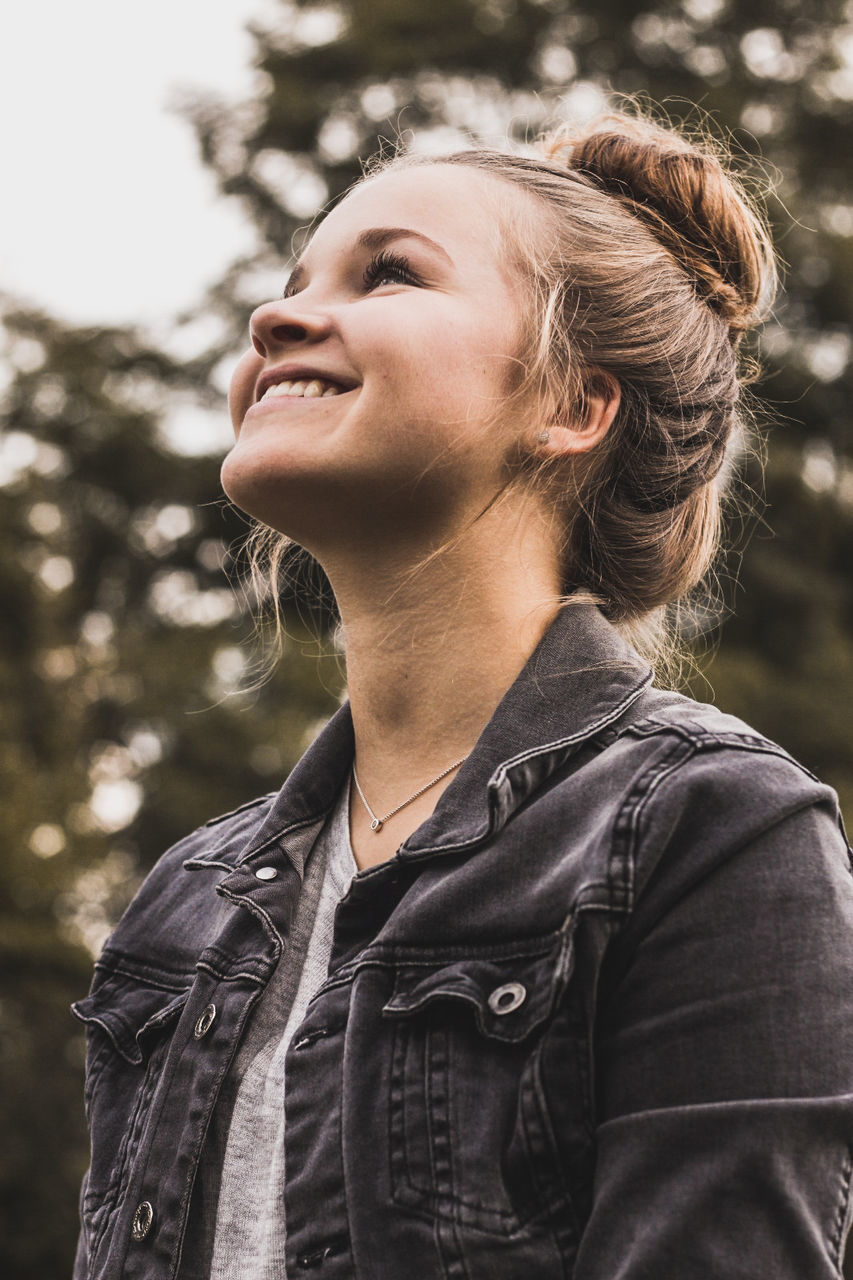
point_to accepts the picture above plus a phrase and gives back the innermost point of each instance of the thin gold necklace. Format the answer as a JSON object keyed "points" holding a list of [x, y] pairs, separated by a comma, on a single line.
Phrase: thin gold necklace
{"points": [[376, 823]]}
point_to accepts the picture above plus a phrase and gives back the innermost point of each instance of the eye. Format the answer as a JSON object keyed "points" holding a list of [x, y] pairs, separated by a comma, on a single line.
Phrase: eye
{"points": [[388, 268]]}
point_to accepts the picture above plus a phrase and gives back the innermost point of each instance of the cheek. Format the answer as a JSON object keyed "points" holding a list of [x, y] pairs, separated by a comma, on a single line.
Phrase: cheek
{"points": [[241, 393]]}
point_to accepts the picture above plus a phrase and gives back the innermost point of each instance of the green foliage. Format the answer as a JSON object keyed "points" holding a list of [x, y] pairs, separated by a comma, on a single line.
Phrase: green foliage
{"points": [[122, 727], [775, 84], [120, 642]]}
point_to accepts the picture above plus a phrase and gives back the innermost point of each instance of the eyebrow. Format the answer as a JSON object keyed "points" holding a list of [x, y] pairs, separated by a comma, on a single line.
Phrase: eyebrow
{"points": [[376, 238]]}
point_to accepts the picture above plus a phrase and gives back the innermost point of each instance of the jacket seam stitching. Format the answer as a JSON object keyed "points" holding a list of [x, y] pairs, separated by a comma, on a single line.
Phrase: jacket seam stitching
{"points": [[627, 822], [225, 976], [127, 967], [397, 959], [258, 911], [707, 739], [837, 1238], [582, 735]]}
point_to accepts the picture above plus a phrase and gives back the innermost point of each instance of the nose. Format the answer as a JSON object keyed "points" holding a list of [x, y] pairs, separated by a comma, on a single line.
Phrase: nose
{"points": [[285, 322]]}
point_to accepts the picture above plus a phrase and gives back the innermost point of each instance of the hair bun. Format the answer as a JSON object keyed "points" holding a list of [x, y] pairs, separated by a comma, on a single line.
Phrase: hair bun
{"points": [[694, 207]]}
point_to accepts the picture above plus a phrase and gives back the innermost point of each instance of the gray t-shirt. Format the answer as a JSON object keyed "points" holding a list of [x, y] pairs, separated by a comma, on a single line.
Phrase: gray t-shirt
{"points": [[236, 1229]]}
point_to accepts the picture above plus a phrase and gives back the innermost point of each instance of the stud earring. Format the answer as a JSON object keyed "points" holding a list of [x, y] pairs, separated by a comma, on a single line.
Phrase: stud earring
{"points": [[544, 437]]}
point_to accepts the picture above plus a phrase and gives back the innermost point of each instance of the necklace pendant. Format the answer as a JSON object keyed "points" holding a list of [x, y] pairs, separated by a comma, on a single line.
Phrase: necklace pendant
{"points": [[376, 824]]}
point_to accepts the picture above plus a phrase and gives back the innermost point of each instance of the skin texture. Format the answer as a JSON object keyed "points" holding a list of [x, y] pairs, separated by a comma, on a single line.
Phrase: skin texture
{"points": [[374, 482]]}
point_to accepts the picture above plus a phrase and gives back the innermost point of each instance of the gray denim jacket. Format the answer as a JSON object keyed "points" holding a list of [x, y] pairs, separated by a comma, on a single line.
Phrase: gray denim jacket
{"points": [[593, 1020]]}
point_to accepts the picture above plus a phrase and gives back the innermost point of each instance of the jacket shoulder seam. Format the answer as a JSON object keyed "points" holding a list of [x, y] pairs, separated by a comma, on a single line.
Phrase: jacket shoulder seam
{"points": [[705, 738], [626, 825], [688, 743]]}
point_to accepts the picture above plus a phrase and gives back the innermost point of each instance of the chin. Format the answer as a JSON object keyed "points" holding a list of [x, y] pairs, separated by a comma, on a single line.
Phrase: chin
{"points": [[324, 503], [300, 501], [261, 487]]}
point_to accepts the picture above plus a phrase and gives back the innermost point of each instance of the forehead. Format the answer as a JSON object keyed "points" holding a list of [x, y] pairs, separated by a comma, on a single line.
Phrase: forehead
{"points": [[459, 207]]}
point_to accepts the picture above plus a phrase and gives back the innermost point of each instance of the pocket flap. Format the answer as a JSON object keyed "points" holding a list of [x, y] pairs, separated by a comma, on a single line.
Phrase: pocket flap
{"points": [[509, 997], [129, 1009]]}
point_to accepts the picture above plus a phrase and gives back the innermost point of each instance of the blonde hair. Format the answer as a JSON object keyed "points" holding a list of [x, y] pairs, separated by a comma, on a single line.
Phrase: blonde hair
{"points": [[647, 263]]}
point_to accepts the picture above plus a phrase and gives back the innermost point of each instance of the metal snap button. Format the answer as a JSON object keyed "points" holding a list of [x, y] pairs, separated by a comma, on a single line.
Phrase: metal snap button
{"points": [[507, 998], [266, 873], [143, 1220], [205, 1022]]}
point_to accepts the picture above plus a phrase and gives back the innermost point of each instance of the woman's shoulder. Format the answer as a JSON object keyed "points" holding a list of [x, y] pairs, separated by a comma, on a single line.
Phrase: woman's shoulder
{"points": [[175, 911], [701, 740], [703, 786]]}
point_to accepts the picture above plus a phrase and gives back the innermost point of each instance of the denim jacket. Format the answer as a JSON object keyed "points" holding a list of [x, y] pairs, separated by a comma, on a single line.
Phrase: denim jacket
{"points": [[593, 1019]]}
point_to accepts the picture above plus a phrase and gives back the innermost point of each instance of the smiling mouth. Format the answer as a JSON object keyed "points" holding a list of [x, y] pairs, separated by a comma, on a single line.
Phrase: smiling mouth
{"points": [[303, 389]]}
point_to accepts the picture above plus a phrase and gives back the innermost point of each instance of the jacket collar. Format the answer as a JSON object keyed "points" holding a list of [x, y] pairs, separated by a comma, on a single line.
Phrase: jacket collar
{"points": [[580, 678]]}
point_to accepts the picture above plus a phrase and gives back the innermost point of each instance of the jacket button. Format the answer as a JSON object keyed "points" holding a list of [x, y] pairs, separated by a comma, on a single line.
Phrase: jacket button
{"points": [[507, 998], [266, 873], [205, 1022], [143, 1220]]}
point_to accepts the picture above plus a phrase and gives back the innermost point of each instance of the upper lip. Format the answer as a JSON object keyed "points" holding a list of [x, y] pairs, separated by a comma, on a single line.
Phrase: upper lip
{"points": [[298, 373]]}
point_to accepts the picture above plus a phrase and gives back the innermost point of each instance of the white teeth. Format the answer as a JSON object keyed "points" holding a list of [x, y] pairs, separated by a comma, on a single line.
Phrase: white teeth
{"points": [[309, 390]]}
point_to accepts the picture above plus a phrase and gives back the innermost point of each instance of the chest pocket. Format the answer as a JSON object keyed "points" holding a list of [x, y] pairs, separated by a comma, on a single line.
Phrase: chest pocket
{"points": [[129, 1021], [471, 1132]]}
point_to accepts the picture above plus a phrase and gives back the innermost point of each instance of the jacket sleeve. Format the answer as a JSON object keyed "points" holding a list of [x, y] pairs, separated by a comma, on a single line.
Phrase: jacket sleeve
{"points": [[724, 1051]]}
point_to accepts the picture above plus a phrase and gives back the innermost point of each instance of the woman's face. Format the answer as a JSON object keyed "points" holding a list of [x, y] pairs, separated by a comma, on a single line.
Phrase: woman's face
{"points": [[373, 399]]}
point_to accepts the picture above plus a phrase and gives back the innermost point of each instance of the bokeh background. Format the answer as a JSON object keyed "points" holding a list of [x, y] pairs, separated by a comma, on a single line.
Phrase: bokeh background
{"points": [[123, 648]]}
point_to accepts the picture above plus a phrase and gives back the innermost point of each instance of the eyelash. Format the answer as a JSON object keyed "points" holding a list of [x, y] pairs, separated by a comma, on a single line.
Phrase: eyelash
{"points": [[384, 263], [390, 264]]}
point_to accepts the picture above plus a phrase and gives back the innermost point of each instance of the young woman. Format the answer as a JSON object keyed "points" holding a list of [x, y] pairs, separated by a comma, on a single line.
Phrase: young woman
{"points": [[532, 968]]}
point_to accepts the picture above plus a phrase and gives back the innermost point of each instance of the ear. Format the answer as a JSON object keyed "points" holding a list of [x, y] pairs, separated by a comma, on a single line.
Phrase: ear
{"points": [[565, 436]]}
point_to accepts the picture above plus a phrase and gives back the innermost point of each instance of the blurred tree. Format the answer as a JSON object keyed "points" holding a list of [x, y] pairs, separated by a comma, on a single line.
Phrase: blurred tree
{"points": [[121, 647], [121, 651], [775, 82]]}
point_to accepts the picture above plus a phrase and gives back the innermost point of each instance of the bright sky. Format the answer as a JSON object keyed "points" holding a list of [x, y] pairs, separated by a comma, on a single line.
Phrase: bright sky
{"points": [[107, 213]]}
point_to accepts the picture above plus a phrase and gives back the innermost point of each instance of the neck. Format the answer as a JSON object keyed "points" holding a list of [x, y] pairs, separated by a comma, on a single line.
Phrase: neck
{"points": [[431, 652]]}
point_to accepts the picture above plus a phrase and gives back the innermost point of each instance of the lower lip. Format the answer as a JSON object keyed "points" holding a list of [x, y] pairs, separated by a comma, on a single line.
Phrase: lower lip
{"points": [[276, 401]]}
